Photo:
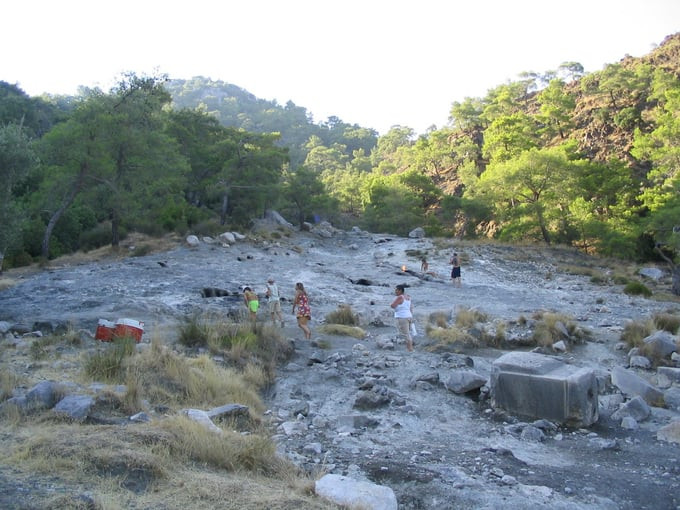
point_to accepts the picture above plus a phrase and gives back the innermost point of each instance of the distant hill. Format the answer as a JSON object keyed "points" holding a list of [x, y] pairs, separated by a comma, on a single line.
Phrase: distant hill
{"points": [[238, 108]]}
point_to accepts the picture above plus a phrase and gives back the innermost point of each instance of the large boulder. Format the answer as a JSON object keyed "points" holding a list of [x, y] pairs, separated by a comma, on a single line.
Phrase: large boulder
{"points": [[632, 385], [539, 386], [354, 494]]}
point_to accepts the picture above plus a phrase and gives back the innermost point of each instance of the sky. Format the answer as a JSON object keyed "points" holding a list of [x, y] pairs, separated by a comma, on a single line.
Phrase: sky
{"points": [[375, 63]]}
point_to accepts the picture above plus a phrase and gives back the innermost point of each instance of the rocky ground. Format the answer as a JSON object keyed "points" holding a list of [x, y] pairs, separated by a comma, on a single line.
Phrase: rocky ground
{"points": [[434, 448]]}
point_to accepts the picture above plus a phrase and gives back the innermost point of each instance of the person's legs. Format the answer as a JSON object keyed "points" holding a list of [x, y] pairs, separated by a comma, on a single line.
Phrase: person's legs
{"points": [[277, 311], [302, 322], [403, 325]]}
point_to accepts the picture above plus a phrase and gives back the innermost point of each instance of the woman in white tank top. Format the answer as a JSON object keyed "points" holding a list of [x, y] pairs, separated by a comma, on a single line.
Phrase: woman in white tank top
{"points": [[403, 313]]}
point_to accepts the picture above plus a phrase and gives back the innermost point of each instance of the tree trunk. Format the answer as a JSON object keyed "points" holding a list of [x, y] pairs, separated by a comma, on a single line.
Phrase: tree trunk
{"points": [[225, 204], [115, 231], [68, 200], [675, 271], [675, 286], [541, 224]]}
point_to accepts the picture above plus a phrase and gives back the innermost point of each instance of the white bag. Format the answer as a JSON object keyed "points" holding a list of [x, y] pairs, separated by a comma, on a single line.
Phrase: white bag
{"points": [[414, 331]]}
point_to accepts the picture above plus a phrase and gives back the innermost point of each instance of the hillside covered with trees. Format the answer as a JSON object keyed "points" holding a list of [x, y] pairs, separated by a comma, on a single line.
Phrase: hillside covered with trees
{"points": [[587, 160]]}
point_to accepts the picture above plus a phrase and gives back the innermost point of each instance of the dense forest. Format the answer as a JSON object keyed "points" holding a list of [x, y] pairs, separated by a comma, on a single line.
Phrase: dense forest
{"points": [[588, 160]]}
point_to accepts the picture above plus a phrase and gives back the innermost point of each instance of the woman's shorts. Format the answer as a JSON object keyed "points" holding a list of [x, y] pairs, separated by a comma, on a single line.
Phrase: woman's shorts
{"points": [[253, 306], [303, 319]]}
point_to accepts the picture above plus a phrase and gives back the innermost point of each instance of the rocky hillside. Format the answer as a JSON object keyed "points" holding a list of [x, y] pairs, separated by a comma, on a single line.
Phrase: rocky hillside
{"points": [[362, 408], [598, 135]]}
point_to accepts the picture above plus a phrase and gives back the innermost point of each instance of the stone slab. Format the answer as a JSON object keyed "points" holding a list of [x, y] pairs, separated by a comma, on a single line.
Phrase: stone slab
{"points": [[538, 386]]}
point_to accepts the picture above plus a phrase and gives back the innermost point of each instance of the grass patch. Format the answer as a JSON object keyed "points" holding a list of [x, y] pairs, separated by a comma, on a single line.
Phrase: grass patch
{"points": [[439, 319], [468, 317], [634, 332], [108, 363], [342, 330], [450, 337], [8, 381], [241, 343], [343, 315], [552, 327], [170, 379], [174, 464], [636, 288], [227, 450], [667, 322]]}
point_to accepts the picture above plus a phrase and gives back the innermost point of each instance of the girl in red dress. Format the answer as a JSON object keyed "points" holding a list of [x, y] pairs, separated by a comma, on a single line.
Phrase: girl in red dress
{"points": [[304, 312]]}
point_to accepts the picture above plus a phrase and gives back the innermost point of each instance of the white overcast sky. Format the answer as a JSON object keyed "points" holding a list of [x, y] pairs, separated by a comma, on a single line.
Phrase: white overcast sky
{"points": [[376, 63]]}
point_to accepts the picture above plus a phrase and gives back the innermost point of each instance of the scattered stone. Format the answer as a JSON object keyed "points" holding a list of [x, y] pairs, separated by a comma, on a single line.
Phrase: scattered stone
{"points": [[633, 385], [355, 495], [670, 432], [76, 407], [461, 381]]}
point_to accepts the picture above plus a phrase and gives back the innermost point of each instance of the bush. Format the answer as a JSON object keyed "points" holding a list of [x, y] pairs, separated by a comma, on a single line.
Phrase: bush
{"points": [[343, 330], [667, 322], [634, 333], [343, 315], [109, 363], [440, 319], [636, 288], [99, 236], [466, 317], [547, 330], [193, 333]]}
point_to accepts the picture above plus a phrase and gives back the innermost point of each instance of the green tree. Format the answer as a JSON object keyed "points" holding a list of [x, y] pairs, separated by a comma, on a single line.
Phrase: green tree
{"points": [[304, 189], [252, 176], [17, 158], [390, 206], [661, 148], [508, 136], [527, 191], [74, 157], [557, 107]]}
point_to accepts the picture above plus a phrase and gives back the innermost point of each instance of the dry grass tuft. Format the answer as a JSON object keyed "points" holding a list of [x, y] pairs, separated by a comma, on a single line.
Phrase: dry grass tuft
{"points": [[439, 319], [343, 315], [468, 317], [227, 450], [552, 327], [109, 362], [241, 343], [342, 330], [634, 332], [453, 336], [170, 379], [667, 322]]}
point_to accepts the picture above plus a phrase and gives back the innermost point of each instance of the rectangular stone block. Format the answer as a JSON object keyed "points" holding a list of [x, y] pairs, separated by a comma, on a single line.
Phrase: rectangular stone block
{"points": [[537, 386]]}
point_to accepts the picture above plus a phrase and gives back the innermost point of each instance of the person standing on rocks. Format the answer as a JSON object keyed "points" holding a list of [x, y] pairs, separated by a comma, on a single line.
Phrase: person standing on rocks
{"points": [[304, 312], [403, 313], [252, 302], [455, 271], [274, 301]]}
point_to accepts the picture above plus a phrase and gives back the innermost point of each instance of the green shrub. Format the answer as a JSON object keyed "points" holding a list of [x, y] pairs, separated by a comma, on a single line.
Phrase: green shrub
{"points": [[620, 279], [99, 236], [636, 288], [21, 259], [193, 333], [141, 250]]}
